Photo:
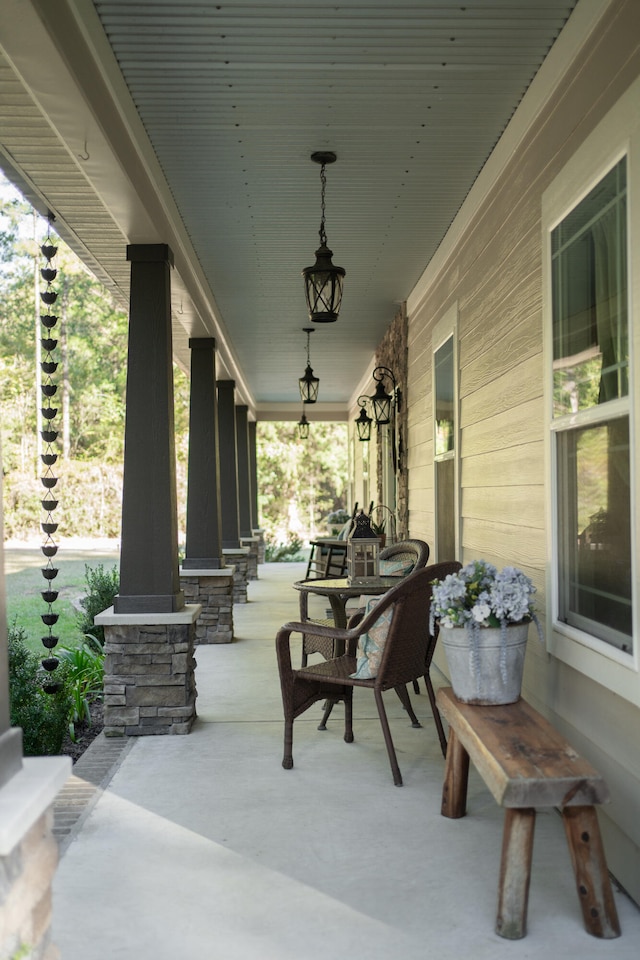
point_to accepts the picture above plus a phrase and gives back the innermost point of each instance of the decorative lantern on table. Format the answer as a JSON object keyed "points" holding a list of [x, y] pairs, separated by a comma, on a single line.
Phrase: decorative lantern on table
{"points": [[363, 551]]}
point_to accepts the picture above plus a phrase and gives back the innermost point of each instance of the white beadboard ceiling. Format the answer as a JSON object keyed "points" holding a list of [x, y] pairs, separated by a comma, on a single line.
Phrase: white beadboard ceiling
{"points": [[192, 123]]}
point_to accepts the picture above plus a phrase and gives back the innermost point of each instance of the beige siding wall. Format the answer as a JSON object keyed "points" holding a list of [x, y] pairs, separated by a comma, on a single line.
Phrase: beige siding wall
{"points": [[495, 279]]}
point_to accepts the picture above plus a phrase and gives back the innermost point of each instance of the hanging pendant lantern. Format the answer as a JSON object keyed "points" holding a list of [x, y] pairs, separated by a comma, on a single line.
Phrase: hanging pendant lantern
{"points": [[323, 281], [308, 383], [303, 427]]}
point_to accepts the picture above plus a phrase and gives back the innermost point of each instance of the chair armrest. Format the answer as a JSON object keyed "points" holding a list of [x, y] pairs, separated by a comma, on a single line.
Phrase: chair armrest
{"points": [[283, 650], [320, 629]]}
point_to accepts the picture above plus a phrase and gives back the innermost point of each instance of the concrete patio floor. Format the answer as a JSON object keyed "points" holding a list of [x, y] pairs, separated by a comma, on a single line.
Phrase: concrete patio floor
{"points": [[204, 847]]}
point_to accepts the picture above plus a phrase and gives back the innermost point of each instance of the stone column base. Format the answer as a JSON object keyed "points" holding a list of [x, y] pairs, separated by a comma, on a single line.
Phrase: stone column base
{"points": [[252, 559], [239, 557], [213, 590], [259, 533], [149, 672], [29, 857]]}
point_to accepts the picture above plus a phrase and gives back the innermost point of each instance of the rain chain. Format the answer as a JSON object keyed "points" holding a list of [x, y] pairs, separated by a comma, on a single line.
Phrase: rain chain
{"points": [[49, 435]]}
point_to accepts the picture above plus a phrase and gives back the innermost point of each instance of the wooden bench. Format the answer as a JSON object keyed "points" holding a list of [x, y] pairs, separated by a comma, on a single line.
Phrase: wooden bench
{"points": [[526, 763]]}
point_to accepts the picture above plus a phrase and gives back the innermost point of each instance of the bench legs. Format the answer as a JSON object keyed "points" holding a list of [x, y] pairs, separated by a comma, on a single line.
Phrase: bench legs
{"points": [[456, 776], [515, 872], [585, 847], [590, 869]]}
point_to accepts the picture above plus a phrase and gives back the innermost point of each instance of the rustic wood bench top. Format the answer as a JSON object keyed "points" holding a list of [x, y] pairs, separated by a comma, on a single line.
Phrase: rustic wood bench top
{"points": [[526, 763]]}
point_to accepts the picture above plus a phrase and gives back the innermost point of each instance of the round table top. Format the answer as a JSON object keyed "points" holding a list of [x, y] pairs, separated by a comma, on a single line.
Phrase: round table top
{"points": [[342, 586]]}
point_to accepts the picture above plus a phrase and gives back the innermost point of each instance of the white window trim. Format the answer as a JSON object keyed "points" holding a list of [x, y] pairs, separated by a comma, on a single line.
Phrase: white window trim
{"points": [[445, 328], [617, 136]]}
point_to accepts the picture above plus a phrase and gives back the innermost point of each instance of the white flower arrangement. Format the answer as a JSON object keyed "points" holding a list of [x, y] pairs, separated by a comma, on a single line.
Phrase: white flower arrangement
{"points": [[480, 596]]}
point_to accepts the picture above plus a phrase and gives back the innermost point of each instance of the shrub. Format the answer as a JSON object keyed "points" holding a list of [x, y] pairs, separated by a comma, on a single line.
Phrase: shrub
{"points": [[42, 716], [102, 587], [85, 679], [289, 552]]}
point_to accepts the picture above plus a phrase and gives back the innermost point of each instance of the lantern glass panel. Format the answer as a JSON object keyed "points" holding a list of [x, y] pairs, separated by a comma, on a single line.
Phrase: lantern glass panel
{"points": [[363, 425], [324, 294], [363, 559]]}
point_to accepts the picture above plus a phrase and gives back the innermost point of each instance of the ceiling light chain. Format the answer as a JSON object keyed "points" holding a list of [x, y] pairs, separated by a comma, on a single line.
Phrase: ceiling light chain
{"points": [[323, 187], [323, 281]]}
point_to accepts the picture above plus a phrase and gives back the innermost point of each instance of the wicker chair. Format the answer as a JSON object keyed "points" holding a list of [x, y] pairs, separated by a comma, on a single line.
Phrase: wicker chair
{"points": [[406, 656], [415, 551]]}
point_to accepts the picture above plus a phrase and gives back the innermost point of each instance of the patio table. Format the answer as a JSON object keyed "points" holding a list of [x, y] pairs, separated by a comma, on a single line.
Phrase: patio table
{"points": [[338, 591]]}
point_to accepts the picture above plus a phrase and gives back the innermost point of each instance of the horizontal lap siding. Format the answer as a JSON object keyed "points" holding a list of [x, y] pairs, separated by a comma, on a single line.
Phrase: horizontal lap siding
{"points": [[494, 278]]}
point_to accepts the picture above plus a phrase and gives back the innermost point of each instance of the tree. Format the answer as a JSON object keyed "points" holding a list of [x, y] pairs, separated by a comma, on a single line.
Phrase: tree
{"points": [[300, 481], [91, 380]]}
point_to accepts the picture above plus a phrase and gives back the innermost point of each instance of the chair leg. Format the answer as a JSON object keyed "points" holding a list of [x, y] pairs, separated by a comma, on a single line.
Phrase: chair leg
{"points": [[287, 760], [328, 707], [348, 716], [395, 769], [416, 688], [437, 719], [405, 700]]}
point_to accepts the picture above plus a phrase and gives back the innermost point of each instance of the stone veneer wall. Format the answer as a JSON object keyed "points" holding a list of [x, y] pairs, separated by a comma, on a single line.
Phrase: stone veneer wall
{"points": [[214, 593], [149, 678], [393, 353], [240, 560], [26, 875], [252, 559], [29, 857], [259, 533]]}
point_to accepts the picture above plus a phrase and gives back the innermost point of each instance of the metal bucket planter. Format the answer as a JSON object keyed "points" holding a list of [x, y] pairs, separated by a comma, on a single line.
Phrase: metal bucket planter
{"points": [[486, 663]]}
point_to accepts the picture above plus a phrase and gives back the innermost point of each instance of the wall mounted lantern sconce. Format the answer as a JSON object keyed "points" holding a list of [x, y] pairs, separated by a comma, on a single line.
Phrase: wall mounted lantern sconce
{"points": [[363, 421], [386, 407], [382, 401], [323, 281], [303, 427], [308, 383]]}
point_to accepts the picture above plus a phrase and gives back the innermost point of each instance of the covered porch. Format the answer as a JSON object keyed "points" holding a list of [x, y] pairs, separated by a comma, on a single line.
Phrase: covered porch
{"points": [[171, 167], [203, 846]]}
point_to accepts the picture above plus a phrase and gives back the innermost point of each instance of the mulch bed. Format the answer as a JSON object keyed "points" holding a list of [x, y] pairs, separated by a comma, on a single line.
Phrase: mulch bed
{"points": [[85, 733]]}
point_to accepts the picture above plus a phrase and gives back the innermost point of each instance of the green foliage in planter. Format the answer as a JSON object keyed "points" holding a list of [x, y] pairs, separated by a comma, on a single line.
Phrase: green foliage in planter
{"points": [[102, 587], [42, 716], [85, 673]]}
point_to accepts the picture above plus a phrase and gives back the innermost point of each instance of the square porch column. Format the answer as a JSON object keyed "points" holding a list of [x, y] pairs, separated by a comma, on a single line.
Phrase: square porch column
{"points": [[205, 578], [149, 683], [232, 549]]}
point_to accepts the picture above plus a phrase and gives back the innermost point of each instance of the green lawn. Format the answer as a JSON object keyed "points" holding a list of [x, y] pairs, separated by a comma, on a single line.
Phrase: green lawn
{"points": [[24, 583]]}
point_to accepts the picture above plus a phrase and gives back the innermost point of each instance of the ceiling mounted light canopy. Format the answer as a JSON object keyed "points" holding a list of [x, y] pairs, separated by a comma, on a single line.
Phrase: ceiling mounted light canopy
{"points": [[363, 421], [323, 281], [303, 427], [381, 400], [308, 383]]}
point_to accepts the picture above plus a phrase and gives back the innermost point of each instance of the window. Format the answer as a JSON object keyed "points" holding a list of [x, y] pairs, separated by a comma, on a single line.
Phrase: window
{"points": [[445, 426], [590, 411]]}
